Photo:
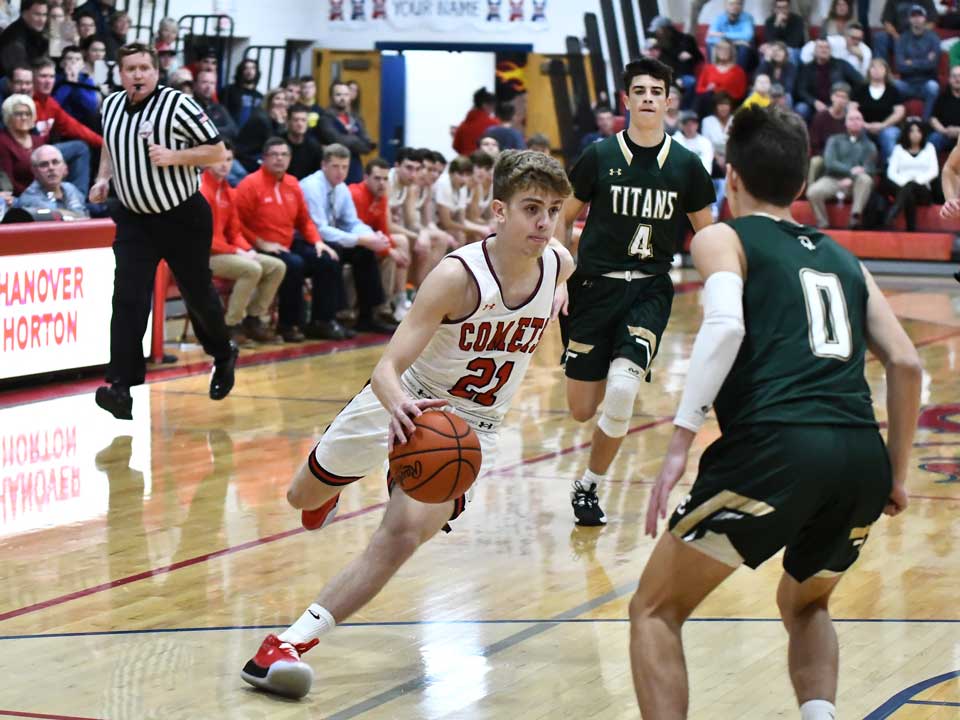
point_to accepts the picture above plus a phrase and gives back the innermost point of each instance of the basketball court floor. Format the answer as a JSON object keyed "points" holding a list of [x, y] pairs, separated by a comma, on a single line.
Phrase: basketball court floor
{"points": [[143, 562]]}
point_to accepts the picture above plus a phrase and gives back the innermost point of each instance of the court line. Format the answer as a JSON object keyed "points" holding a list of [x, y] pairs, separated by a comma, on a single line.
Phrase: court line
{"points": [[42, 716], [421, 681], [42, 605], [420, 623], [941, 703], [902, 697]]}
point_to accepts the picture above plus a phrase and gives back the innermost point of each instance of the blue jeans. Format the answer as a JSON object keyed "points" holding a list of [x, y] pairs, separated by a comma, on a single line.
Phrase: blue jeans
{"points": [[941, 142], [885, 141], [803, 110], [720, 188], [922, 89], [76, 155], [688, 82], [237, 173], [882, 44]]}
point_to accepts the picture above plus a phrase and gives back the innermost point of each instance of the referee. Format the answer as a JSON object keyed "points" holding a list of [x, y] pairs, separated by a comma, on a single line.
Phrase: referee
{"points": [[154, 140]]}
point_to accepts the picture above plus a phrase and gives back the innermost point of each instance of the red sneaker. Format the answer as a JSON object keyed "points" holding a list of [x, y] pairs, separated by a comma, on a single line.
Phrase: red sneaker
{"points": [[277, 668], [323, 515]]}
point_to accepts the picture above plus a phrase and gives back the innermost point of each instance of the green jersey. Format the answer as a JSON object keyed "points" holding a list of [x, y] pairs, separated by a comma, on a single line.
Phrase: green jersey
{"points": [[805, 311], [638, 199]]}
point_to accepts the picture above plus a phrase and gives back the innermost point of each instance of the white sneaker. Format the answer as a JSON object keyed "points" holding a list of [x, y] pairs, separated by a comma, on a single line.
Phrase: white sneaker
{"points": [[400, 310], [677, 261]]}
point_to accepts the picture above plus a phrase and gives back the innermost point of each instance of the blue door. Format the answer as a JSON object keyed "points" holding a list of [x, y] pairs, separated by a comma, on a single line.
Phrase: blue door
{"points": [[393, 104]]}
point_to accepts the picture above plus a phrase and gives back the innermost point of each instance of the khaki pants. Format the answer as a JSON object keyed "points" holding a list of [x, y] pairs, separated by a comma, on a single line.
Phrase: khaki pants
{"points": [[815, 171], [827, 187], [256, 281]]}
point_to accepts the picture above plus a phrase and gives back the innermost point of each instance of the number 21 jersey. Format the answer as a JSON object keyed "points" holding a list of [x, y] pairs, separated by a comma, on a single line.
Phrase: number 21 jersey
{"points": [[477, 363]]}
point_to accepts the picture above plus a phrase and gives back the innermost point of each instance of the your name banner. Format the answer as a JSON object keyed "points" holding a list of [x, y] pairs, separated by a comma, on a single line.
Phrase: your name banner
{"points": [[494, 16]]}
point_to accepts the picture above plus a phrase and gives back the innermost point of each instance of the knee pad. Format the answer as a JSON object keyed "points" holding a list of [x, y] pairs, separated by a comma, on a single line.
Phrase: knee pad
{"points": [[623, 386]]}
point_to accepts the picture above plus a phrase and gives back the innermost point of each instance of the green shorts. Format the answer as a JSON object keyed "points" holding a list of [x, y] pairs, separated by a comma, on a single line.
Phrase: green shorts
{"points": [[813, 489], [610, 318]]}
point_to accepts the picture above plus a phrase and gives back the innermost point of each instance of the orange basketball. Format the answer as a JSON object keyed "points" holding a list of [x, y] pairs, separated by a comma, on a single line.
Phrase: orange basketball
{"points": [[440, 461]]}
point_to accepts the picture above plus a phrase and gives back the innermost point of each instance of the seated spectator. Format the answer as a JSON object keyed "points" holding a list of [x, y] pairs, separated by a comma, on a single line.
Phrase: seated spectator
{"points": [[479, 210], [100, 11], [761, 91], [75, 90], [292, 87], [896, 21], [167, 33], [538, 142], [603, 116], [21, 81], [270, 227], [786, 27], [778, 97], [307, 153], [339, 124], [117, 37], [849, 160], [257, 275], [815, 79], [945, 119], [680, 52], [402, 193], [882, 107], [61, 30], [716, 128], [242, 98], [826, 124], [264, 123], [94, 57], [855, 50], [49, 191], [205, 93], [912, 167], [370, 200], [86, 26], [428, 242], [57, 126], [24, 40], [505, 133], [478, 119], [735, 26], [308, 98], [721, 74], [689, 136], [332, 210], [451, 195], [918, 57], [489, 145], [779, 68], [838, 17], [18, 141]]}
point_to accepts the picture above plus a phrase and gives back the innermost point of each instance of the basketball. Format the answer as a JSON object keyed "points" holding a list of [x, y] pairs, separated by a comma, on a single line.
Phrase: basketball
{"points": [[440, 461]]}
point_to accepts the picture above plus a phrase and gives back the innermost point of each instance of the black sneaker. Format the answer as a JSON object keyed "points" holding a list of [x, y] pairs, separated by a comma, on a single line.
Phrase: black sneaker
{"points": [[116, 400], [586, 506]]}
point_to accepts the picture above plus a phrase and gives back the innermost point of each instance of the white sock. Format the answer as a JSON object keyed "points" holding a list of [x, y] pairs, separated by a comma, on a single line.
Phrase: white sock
{"points": [[818, 710], [316, 621], [589, 479]]}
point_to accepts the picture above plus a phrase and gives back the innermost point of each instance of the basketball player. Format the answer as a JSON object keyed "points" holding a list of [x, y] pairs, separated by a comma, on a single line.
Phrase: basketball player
{"points": [[950, 177], [641, 186], [788, 317], [466, 343]]}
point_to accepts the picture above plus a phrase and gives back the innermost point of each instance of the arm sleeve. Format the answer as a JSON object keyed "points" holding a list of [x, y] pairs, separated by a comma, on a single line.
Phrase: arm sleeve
{"points": [[304, 223], [715, 348], [72, 128], [738, 82], [234, 230], [700, 189], [893, 167], [583, 174], [743, 30], [831, 163], [191, 123], [802, 89], [870, 161], [329, 133], [932, 169], [355, 226], [75, 200], [242, 206]]}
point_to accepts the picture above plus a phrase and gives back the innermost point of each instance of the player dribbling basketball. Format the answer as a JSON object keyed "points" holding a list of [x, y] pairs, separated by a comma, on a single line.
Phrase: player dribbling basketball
{"points": [[466, 343]]}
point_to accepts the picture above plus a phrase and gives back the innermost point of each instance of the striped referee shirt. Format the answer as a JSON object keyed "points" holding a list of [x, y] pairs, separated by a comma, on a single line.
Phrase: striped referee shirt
{"points": [[168, 118]]}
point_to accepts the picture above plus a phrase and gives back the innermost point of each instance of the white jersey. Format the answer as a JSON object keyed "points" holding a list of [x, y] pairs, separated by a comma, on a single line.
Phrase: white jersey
{"points": [[477, 363], [396, 196]]}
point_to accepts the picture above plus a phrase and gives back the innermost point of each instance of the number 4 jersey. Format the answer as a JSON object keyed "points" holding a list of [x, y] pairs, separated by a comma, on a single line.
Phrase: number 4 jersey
{"points": [[477, 363], [805, 311], [639, 198]]}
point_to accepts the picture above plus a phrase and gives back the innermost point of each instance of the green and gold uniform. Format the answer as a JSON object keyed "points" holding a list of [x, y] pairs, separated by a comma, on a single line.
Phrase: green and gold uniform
{"points": [[621, 293], [801, 463]]}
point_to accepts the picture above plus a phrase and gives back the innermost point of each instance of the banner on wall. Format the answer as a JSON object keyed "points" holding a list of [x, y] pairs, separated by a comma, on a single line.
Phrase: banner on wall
{"points": [[494, 16]]}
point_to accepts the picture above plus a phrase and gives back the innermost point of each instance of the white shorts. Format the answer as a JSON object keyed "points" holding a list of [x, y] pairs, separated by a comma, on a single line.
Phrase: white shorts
{"points": [[355, 444]]}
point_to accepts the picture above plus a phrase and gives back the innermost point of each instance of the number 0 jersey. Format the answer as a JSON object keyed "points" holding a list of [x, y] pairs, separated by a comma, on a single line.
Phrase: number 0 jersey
{"points": [[639, 198], [805, 310], [477, 363]]}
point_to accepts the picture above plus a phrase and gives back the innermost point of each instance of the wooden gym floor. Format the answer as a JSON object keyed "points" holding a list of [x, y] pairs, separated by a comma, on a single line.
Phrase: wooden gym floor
{"points": [[143, 562]]}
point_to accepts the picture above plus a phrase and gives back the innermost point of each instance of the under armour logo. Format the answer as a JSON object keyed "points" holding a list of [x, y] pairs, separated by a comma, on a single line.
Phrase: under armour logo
{"points": [[807, 243], [618, 171], [489, 306]]}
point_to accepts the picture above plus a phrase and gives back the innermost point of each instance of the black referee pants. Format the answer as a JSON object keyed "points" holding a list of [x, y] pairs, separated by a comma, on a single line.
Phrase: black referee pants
{"points": [[182, 237]]}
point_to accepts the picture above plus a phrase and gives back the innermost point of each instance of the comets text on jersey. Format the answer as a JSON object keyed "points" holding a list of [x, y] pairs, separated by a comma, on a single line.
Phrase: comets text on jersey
{"points": [[516, 336], [648, 203]]}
